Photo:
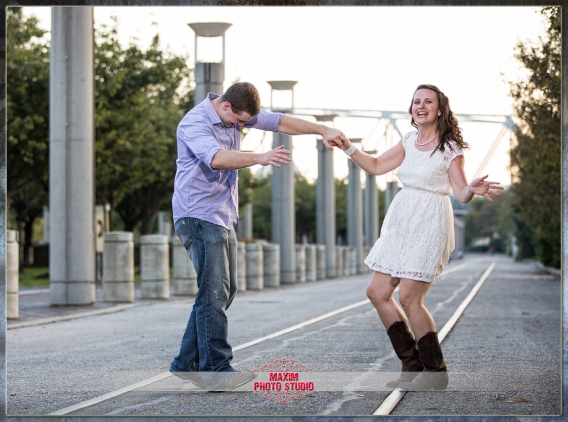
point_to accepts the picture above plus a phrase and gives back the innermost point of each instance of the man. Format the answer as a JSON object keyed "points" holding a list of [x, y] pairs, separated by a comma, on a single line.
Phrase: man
{"points": [[205, 208]]}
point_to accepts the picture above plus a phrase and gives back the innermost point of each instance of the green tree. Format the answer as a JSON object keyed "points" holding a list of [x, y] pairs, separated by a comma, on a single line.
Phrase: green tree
{"points": [[536, 157], [141, 97], [27, 101], [305, 209], [248, 182], [262, 209], [27, 112]]}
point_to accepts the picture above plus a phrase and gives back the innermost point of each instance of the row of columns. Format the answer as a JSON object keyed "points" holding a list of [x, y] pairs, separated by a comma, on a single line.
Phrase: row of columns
{"points": [[258, 266]]}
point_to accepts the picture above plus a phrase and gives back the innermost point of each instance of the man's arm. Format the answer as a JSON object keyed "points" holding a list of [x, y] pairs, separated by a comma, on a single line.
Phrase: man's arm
{"points": [[225, 159], [295, 126]]}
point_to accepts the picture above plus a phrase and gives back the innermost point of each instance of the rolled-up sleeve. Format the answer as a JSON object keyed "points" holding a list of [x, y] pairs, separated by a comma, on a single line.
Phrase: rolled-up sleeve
{"points": [[266, 120]]}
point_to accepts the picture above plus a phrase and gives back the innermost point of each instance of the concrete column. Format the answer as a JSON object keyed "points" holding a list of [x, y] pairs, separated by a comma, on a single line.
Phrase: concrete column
{"points": [[244, 228], [241, 267], [367, 251], [154, 266], [325, 208], [355, 267], [459, 235], [255, 266], [311, 262], [165, 224], [184, 275], [209, 77], [320, 266], [355, 214], [339, 260], [371, 210], [346, 260], [12, 275], [271, 252], [300, 263], [71, 157], [284, 213], [102, 225], [46, 224], [118, 267]]}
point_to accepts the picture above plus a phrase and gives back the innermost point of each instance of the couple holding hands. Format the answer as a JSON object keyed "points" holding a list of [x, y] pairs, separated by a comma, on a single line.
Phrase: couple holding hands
{"points": [[414, 246]]}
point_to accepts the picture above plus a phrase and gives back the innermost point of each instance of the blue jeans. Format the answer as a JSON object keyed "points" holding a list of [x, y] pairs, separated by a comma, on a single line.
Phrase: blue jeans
{"points": [[213, 250]]}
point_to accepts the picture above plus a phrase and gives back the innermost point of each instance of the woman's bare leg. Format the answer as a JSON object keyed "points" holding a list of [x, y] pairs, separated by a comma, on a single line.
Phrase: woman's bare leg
{"points": [[379, 292], [411, 296]]}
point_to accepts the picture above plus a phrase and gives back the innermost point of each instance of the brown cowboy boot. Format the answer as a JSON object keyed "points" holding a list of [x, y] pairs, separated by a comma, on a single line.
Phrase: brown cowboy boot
{"points": [[404, 345], [435, 375]]}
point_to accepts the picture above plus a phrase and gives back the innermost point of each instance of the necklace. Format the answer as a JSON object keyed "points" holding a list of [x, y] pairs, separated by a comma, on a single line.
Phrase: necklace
{"points": [[425, 143]]}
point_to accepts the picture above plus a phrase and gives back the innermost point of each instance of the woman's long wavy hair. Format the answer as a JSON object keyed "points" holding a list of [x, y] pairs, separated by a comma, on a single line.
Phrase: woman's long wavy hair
{"points": [[447, 127]]}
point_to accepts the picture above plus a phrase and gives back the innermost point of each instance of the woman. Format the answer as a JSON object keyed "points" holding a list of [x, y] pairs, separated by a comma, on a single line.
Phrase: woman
{"points": [[417, 236]]}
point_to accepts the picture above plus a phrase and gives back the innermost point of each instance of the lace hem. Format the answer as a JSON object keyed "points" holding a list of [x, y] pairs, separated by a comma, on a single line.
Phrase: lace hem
{"points": [[412, 275]]}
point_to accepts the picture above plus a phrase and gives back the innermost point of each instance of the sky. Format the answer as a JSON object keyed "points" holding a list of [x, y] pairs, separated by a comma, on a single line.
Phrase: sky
{"points": [[354, 58]]}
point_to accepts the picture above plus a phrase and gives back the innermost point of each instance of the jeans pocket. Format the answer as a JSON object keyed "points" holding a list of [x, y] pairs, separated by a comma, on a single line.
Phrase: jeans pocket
{"points": [[183, 232]]}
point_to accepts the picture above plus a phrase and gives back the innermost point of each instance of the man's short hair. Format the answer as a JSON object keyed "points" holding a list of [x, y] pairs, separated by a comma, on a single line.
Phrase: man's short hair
{"points": [[243, 96]]}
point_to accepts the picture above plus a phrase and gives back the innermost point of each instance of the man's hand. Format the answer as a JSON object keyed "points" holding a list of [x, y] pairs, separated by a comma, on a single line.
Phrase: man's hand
{"points": [[226, 159], [343, 142], [275, 157], [333, 138]]}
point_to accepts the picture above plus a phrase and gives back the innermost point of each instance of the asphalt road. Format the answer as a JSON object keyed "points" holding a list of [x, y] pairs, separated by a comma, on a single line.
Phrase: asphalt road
{"points": [[503, 354]]}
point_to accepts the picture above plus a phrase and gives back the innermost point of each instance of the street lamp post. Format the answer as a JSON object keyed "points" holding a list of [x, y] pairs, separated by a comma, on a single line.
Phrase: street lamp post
{"points": [[210, 75]]}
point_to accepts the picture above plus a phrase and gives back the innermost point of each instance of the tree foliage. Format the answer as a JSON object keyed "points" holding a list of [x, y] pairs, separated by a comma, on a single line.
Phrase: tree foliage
{"points": [[27, 112], [536, 157], [27, 103], [141, 97], [305, 206]]}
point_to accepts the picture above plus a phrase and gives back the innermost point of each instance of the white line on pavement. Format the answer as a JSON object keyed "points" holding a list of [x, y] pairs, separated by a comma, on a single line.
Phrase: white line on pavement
{"points": [[397, 394], [110, 395], [163, 375]]}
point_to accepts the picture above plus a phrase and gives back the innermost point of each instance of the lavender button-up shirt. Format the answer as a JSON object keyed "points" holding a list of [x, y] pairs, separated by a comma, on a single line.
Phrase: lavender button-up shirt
{"points": [[201, 191]]}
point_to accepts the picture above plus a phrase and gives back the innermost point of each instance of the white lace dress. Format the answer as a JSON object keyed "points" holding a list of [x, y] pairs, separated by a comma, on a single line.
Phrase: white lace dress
{"points": [[417, 236]]}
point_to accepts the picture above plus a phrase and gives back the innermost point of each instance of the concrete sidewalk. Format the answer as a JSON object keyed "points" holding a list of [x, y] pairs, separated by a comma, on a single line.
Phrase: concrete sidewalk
{"points": [[36, 309]]}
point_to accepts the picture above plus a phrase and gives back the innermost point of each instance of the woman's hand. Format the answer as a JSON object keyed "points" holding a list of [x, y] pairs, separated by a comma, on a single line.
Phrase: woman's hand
{"points": [[484, 188], [342, 142]]}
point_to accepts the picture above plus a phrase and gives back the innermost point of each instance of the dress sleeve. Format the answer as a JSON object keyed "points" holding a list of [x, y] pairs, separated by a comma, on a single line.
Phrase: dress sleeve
{"points": [[452, 152], [405, 139]]}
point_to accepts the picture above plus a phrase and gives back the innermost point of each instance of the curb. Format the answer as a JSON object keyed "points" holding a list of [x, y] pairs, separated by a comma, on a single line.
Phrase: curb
{"points": [[549, 270], [50, 320]]}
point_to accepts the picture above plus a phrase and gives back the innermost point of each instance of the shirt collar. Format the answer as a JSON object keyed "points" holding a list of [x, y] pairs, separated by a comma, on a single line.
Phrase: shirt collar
{"points": [[213, 116]]}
